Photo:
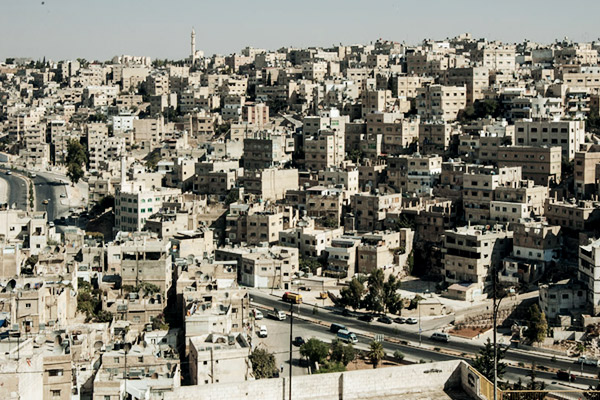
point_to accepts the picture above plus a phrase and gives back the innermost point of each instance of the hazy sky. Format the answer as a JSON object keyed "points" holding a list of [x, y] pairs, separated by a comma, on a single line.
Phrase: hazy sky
{"points": [[100, 29]]}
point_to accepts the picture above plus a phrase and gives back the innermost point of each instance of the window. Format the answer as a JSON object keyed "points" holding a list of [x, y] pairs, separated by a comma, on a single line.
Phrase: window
{"points": [[55, 393], [55, 372]]}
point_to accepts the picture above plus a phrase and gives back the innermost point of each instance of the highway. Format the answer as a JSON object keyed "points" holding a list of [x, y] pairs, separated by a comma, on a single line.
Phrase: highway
{"points": [[308, 329], [410, 333]]}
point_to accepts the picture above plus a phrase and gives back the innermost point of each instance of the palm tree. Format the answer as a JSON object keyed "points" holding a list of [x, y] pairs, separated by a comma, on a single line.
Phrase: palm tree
{"points": [[376, 353]]}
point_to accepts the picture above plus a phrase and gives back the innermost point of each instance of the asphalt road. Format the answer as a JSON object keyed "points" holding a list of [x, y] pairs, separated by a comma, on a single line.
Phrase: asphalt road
{"points": [[307, 330], [51, 190], [17, 190], [410, 333]]}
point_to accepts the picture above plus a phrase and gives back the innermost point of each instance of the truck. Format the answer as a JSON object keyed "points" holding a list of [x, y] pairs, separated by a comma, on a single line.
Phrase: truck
{"points": [[294, 298], [585, 360], [276, 314]]}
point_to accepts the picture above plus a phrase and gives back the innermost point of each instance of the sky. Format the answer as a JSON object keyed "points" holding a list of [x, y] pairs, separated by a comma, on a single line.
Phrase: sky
{"points": [[101, 29]]}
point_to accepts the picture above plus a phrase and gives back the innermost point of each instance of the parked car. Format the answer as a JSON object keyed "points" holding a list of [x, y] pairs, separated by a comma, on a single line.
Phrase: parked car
{"points": [[366, 317], [412, 320], [298, 341], [565, 376], [8, 173], [63, 196], [45, 202], [385, 319], [262, 332], [400, 320], [305, 288]]}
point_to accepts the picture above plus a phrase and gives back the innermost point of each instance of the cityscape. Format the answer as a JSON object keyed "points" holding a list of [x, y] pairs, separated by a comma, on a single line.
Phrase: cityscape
{"points": [[379, 220]]}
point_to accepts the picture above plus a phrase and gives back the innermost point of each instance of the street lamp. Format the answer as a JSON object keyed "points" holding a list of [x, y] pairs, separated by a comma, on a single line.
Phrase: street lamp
{"points": [[495, 307], [126, 348]]}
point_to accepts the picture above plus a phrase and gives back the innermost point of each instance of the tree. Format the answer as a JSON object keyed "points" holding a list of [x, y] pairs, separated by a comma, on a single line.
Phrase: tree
{"points": [[537, 326], [351, 295], [76, 159], [374, 298], [315, 350], [391, 299], [376, 353], [398, 356], [159, 323], [484, 362], [104, 316], [263, 363], [308, 265], [342, 353], [75, 172]]}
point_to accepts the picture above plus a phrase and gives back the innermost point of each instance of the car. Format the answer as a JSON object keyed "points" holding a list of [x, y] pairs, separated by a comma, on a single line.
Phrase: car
{"points": [[33, 175], [412, 320], [565, 376], [298, 341], [305, 288], [262, 332], [400, 320], [258, 314], [8, 172], [63, 196], [366, 318], [385, 319], [347, 313], [45, 202]]}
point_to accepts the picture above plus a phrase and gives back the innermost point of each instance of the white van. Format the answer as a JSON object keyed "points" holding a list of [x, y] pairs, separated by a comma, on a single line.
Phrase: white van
{"points": [[258, 314], [262, 333], [440, 337]]}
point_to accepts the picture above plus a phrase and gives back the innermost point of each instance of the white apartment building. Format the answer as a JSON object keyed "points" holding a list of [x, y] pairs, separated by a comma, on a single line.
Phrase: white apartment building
{"points": [[589, 273]]}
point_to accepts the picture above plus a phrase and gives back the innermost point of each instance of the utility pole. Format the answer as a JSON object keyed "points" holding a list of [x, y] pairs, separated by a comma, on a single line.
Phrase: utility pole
{"points": [[291, 339], [494, 317], [419, 307]]}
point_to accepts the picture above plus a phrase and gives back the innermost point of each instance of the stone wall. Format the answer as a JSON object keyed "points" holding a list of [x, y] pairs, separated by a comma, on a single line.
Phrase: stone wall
{"points": [[370, 383]]}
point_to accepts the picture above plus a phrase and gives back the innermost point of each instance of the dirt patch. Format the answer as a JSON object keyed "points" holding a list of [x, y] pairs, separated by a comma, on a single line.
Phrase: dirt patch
{"points": [[360, 363], [468, 333]]}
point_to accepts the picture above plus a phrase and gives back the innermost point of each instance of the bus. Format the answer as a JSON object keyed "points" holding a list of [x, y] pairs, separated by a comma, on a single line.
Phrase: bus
{"points": [[346, 336]]}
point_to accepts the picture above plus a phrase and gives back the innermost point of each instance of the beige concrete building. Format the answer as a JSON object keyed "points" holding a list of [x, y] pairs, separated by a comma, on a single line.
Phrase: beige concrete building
{"points": [[266, 151], [263, 267], [415, 174], [472, 252], [475, 79], [307, 239], [585, 171], [479, 184], [370, 210], [518, 200], [217, 358], [542, 165], [270, 184], [576, 215], [437, 102], [434, 138], [325, 150], [569, 135]]}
